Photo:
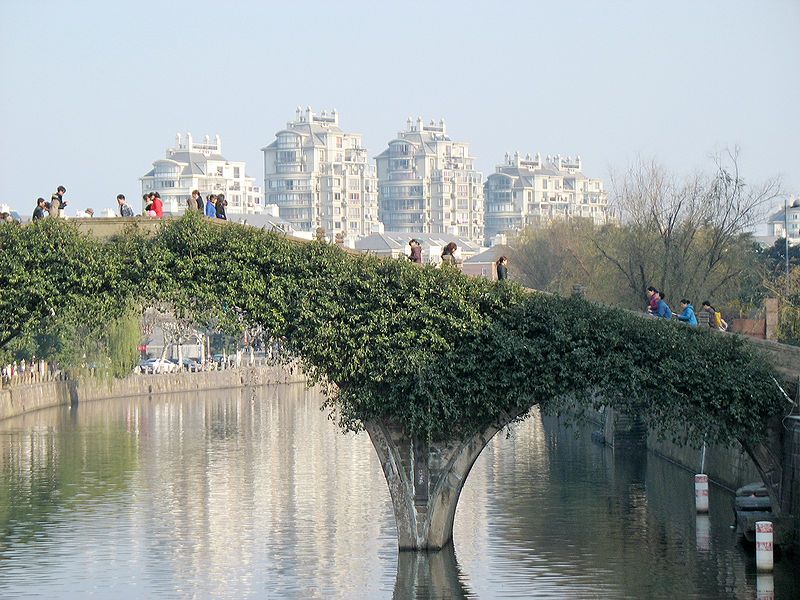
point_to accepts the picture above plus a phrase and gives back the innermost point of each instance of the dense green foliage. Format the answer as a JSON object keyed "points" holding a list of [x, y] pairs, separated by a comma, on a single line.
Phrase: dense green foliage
{"points": [[441, 353], [65, 297]]}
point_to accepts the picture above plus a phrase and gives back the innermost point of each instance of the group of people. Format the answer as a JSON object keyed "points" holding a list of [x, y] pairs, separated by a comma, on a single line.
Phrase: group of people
{"points": [[449, 259], [213, 206], [153, 205], [54, 207], [658, 307]]}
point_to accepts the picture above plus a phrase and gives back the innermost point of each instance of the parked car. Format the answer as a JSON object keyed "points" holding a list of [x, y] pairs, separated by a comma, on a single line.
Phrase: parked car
{"points": [[192, 364], [220, 359], [156, 365]]}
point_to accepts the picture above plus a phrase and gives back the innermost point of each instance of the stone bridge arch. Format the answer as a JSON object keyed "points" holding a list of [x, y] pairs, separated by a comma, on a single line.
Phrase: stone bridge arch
{"points": [[381, 332], [425, 479]]}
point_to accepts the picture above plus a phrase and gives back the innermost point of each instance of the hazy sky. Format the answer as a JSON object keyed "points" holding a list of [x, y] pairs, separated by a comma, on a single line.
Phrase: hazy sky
{"points": [[94, 91]]}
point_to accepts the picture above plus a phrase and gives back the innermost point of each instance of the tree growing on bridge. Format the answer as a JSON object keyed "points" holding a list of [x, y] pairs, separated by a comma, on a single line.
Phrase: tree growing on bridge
{"points": [[430, 362]]}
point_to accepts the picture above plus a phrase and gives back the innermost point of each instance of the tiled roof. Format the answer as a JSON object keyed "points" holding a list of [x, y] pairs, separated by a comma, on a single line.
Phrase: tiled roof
{"points": [[378, 241], [490, 255]]}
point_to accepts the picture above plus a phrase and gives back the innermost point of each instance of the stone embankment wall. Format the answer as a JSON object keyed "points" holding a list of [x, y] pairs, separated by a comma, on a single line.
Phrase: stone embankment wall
{"points": [[20, 399], [791, 470], [729, 467]]}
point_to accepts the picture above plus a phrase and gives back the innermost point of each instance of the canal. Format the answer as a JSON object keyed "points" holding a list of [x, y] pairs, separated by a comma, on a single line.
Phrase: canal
{"points": [[257, 494]]}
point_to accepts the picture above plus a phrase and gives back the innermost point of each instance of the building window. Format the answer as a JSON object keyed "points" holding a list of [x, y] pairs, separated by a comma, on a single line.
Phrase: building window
{"points": [[236, 172], [288, 140]]}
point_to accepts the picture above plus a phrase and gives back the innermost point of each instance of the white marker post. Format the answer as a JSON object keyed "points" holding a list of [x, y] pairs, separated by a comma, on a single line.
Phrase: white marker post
{"points": [[765, 587], [701, 493], [764, 546]]}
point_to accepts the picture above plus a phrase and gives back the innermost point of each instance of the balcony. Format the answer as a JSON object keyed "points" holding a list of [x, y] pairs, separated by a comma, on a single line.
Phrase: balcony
{"points": [[403, 176]]}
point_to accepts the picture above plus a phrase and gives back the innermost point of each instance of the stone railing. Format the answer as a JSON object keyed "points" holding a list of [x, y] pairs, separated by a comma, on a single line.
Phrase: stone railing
{"points": [[40, 371], [26, 372], [23, 398]]}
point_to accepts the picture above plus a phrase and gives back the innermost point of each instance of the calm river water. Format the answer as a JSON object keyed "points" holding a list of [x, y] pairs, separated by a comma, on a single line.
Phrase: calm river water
{"points": [[243, 494]]}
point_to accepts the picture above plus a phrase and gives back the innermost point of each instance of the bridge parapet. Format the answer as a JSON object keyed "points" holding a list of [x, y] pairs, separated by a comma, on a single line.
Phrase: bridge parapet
{"points": [[785, 358]]}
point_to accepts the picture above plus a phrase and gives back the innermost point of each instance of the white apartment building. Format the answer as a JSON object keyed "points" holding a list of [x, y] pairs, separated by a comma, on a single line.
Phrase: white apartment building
{"points": [[200, 166], [320, 176], [786, 219], [527, 192], [428, 183]]}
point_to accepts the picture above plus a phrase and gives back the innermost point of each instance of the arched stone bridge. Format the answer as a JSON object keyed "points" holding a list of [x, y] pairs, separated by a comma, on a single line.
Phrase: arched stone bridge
{"points": [[426, 473]]}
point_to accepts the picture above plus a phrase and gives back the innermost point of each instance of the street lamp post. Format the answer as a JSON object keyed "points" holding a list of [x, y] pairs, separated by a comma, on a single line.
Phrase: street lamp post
{"points": [[786, 238]]}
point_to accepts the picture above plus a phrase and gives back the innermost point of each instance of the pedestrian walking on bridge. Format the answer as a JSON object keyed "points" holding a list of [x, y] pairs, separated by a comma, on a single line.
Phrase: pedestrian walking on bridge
{"points": [[57, 202], [39, 211], [663, 311], [448, 255], [416, 252], [687, 313], [502, 268], [211, 208], [124, 209]]}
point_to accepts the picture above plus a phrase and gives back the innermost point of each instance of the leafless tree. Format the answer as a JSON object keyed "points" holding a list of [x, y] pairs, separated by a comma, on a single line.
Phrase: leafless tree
{"points": [[682, 234]]}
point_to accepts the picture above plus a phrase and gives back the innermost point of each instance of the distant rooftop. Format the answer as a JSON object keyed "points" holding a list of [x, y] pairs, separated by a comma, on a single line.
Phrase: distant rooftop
{"points": [[390, 240], [187, 145]]}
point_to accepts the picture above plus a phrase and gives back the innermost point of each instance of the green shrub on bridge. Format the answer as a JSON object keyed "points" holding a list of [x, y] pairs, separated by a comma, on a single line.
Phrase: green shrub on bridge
{"points": [[443, 354]]}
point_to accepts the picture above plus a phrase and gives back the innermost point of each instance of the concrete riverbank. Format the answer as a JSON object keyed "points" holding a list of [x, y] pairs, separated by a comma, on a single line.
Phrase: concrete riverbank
{"points": [[24, 398]]}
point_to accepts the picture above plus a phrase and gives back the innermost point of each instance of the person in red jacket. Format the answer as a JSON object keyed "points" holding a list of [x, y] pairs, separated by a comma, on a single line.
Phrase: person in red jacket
{"points": [[652, 304], [158, 205]]}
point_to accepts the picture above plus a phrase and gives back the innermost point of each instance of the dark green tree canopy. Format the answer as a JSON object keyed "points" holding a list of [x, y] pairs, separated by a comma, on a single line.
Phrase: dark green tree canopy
{"points": [[443, 354]]}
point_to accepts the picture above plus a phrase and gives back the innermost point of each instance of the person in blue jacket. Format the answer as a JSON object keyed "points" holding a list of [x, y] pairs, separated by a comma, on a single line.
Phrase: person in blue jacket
{"points": [[211, 206], [687, 313], [663, 311]]}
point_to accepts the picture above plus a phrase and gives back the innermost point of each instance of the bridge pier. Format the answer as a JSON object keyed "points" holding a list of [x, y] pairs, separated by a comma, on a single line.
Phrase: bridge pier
{"points": [[425, 481]]}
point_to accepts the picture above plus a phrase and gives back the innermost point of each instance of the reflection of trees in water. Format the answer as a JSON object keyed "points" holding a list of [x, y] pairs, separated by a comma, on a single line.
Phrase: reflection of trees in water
{"points": [[55, 465]]}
